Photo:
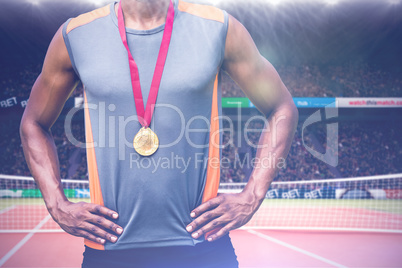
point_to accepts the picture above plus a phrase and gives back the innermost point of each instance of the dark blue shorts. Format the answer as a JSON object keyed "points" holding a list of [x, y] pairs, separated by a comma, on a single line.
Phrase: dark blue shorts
{"points": [[217, 254]]}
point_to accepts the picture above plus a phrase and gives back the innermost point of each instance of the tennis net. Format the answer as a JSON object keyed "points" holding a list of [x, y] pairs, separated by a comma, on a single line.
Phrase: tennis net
{"points": [[22, 208], [354, 204]]}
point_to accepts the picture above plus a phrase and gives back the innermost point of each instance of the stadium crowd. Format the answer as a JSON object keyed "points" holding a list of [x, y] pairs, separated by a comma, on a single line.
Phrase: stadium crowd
{"points": [[348, 80], [19, 84], [13, 161], [365, 148]]}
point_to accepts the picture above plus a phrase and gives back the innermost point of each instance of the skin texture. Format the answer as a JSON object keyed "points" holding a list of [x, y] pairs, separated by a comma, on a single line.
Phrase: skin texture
{"points": [[254, 74]]}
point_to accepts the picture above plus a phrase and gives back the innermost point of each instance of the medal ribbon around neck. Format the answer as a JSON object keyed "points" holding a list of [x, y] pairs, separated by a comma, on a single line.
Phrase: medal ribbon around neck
{"points": [[146, 142]]}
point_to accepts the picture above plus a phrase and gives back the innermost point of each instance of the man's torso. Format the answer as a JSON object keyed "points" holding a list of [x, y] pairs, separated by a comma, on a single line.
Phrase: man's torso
{"points": [[153, 195]]}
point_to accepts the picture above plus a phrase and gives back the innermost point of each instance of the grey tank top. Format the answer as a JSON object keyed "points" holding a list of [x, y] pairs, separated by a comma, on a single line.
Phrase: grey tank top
{"points": [[153, 195]]}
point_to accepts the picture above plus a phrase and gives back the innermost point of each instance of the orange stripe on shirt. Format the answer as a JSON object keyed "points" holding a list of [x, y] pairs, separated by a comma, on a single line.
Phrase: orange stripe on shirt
{"points": [[203, 11], [87, 18], [94, 184], [213, 169]]}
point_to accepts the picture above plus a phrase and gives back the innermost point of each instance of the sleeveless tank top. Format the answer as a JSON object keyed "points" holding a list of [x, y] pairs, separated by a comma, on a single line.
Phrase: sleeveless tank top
{"points": [[153, 195]]}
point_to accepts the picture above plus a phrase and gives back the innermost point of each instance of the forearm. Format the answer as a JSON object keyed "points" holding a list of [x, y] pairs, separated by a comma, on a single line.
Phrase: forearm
{"points": [[41, 156], [273, 147], [91, 221], [231, 211]]}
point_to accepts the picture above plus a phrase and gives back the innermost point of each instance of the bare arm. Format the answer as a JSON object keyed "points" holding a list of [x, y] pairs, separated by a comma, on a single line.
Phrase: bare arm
{"points": [[263, 86], [49, 93]]}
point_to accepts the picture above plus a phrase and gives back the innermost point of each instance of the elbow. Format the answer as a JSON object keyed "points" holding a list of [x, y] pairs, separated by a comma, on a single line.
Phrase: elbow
{"points": [[288, 108], [288, 111], [28, 128], [32, 128], [293, 113], [24, 129]]}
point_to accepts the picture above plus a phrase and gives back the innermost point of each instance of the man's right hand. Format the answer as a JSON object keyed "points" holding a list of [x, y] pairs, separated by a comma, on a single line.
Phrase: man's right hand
{"points": [[87, 220]]}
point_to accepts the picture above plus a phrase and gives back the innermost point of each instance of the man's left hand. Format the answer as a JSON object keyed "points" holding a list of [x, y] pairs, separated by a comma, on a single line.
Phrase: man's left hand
{"points": [[221, 215]]}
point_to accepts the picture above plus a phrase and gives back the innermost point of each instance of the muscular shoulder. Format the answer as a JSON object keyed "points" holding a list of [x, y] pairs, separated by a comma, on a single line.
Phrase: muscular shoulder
{"points": [[239, 44]]}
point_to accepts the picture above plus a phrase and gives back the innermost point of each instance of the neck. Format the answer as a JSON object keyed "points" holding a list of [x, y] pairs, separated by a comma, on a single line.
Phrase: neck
{"points": [[144, 14]]}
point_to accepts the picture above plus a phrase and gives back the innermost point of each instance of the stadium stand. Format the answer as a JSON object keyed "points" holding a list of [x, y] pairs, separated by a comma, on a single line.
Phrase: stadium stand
{"points": [[365, 148], [349, 80]]}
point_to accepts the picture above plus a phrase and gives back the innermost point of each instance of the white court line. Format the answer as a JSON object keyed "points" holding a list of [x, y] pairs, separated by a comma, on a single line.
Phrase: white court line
{"points": [[266, 237], [23, 241], [19, 231], [4, 210], [330, 229]]}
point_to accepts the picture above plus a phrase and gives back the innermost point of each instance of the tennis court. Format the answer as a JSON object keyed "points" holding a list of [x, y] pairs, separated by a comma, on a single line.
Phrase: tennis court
{"points": [[324, 233], [263, 248]]}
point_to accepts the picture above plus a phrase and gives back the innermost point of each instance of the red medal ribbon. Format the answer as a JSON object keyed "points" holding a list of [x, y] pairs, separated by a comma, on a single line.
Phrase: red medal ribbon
{"points": [[145, 117]]}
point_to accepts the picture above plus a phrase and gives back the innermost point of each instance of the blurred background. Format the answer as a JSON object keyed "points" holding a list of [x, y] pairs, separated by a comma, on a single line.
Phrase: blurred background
{"points": [[340, 56], [325, 51]]}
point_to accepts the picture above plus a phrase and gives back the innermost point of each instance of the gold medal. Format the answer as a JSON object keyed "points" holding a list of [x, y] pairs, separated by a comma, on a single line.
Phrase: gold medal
{"points": [[146, 142]]}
